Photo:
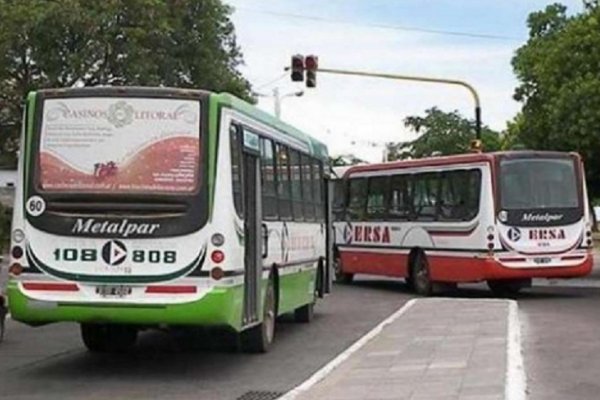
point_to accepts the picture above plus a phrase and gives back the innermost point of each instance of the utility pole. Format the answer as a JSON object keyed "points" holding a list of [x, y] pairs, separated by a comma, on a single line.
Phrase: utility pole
{"points": [[277, 101]]}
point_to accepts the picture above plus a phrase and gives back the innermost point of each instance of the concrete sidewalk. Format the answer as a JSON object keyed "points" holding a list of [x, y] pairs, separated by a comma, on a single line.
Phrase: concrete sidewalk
{"points": [[436, 349]]}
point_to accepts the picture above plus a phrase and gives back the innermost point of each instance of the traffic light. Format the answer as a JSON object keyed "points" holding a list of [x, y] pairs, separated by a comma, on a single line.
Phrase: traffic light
{"points": [[311, 64], [297, 68], [476, 146]]}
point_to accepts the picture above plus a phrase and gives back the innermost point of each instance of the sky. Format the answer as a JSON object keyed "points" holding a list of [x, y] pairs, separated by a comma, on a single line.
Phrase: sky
{"points": [[358, 115]]}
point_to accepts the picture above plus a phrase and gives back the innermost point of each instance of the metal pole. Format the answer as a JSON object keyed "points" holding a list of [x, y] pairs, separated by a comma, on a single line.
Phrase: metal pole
{"points": [[277, 101], [470, 88], [478, 122]]}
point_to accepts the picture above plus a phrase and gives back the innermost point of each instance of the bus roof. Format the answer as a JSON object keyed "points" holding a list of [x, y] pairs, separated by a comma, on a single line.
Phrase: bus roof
{"points": [[318, 148], [467, 158]]}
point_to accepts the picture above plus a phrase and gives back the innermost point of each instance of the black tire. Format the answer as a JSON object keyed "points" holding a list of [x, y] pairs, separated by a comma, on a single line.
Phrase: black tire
{"points": [[419, 275], [505, 288], [102, 338], [340, 276], [305, 313], [259, 338]]}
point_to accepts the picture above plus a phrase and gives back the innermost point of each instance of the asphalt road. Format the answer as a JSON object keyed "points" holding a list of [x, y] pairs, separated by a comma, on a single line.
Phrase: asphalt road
{"points": [[51, 363], [560, 339]]}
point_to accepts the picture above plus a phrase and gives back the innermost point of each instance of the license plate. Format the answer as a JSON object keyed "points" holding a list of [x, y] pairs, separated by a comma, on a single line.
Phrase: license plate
{"points": [[113, 290], [542, 260]]}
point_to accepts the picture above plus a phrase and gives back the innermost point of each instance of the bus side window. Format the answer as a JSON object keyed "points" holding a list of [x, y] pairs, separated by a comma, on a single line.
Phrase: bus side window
{"points": [[235, 132], [425, 196], [283, 183], [296, 179], [307, 188], [269, 193], [459, 195], [357, 199], [377, 198], [400, 198]]}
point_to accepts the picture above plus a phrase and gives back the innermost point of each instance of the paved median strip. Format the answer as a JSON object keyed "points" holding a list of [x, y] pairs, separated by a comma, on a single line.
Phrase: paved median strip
{"points": [[456, 348]]}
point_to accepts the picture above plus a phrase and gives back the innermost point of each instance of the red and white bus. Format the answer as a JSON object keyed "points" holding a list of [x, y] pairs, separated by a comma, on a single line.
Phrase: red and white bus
{"points": [[504, 218]]}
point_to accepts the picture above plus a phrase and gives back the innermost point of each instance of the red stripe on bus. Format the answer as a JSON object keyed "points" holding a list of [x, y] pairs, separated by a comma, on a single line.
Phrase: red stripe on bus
{"points": [[171, 289], [363, 262], [454, 268], [51, 286]]}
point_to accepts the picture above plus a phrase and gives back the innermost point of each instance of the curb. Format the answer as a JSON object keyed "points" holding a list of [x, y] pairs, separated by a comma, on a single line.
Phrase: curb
{"points": [[344, 355], [515, 378]]}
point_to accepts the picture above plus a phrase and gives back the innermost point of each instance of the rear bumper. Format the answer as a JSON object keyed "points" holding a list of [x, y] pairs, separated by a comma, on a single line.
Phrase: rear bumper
{"points": [[219, 307], [481, 269]]}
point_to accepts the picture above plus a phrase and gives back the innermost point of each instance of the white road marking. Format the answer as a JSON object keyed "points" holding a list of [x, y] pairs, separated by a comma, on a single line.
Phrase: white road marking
{"points": [[516, 381], [343, 356]]}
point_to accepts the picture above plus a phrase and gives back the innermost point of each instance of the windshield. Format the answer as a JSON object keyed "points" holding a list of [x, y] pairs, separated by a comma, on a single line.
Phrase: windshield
{"points": [[538, 183], [120, 145]]}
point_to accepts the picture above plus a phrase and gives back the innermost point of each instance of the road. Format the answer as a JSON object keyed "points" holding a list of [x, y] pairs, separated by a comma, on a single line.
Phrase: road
{"points": [[560, 327], [51, 363]]}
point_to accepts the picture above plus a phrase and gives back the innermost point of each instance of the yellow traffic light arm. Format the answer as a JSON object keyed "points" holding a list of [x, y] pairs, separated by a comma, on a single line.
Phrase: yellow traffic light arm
{"points": [[470, 88]]}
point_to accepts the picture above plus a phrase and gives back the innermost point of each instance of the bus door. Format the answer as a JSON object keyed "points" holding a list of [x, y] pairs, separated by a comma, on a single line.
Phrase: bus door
{"points": [[253, 228], [327, 271]]}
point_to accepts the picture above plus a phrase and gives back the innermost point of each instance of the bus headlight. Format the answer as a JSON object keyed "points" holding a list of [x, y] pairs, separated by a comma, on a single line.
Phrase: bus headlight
{"points": [[503, 216], [217, 239]]}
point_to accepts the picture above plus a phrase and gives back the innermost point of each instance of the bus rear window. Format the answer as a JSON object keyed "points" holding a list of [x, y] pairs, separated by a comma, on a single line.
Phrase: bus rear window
{"points": [[538, 183], [120, 145]]}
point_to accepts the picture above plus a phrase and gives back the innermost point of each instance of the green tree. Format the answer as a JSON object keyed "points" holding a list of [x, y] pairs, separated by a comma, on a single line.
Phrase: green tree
{"points": [[440, 133], [344, 160], [64, 43], [559, 73]]}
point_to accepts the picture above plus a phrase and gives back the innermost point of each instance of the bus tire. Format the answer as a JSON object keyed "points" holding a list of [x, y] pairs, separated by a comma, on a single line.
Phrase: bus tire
{"points": [[505, 288], [420, 275], [104, 338], [259, 338], [340, 276], [305, 313]]}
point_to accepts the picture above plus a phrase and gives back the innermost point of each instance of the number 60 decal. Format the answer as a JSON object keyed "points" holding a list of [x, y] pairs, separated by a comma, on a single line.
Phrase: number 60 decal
{"points": [[35, 206]]}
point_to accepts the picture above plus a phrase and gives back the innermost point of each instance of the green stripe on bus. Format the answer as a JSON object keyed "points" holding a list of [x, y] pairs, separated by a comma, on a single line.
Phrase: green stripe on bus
{"points": [[213, 117], [218, 307]]}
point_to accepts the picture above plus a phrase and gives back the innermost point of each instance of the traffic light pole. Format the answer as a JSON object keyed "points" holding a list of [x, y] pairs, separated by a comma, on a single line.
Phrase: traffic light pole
{"points": [[470, 88]]}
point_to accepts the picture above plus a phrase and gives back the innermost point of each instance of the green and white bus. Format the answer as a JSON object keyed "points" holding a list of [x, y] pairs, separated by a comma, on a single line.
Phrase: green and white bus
{"points": [[155, 207]]}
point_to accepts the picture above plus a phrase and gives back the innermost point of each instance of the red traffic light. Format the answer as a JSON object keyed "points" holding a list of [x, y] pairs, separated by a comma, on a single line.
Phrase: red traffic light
{"points": [[297, 68], [311, 63]]}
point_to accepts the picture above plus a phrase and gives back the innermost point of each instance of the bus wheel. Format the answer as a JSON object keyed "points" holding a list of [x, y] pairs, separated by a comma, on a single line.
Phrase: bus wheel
{"points": [[259, 338], [419, 275], [506, 288], [341, 276], [305, 313], [102, 338]]}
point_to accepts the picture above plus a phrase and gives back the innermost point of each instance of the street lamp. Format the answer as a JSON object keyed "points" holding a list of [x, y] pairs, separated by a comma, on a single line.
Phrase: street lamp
{"points": [[277, 98]]}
